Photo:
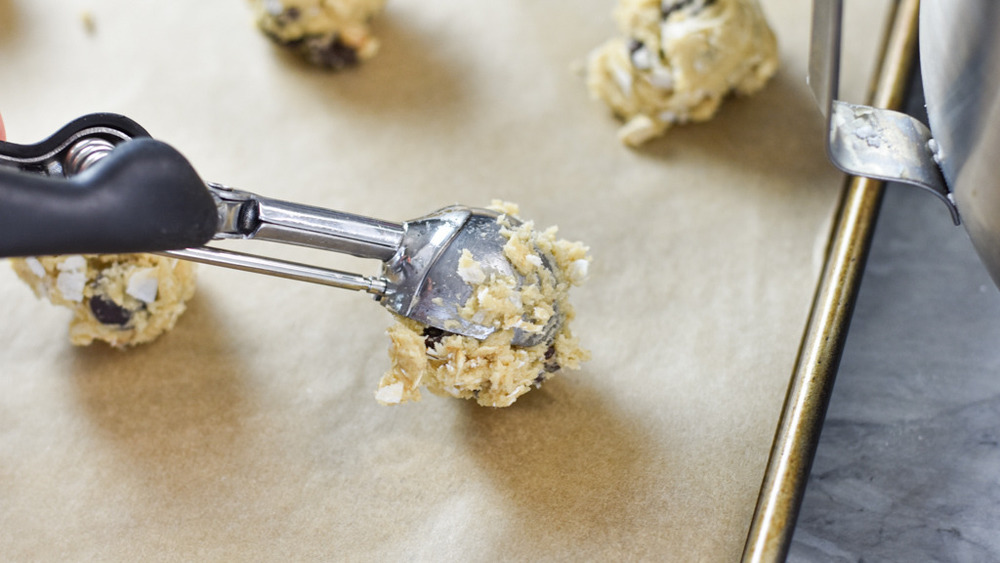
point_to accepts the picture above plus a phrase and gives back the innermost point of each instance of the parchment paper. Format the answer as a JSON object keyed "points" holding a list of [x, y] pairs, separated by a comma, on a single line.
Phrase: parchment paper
{"points": [[250, 432]]}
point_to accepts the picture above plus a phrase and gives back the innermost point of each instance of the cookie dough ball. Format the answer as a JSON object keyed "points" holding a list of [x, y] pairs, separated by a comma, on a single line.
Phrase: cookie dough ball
{"points": [[494, 372], [332, 34], [122, 299], [678, 61]]}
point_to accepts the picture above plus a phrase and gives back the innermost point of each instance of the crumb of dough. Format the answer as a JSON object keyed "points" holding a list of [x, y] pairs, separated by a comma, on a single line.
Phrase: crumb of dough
{"points": [[89, 24], [333, 34], [679, 60], [121, 299], [492, 371]]}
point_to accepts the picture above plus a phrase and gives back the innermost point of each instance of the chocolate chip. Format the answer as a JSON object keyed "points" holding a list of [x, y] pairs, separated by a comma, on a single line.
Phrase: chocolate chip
{"points": [[292, 13], [332, 54], [320, 50], [108, 312], [634, 45], [551, 365], [432, 336]]}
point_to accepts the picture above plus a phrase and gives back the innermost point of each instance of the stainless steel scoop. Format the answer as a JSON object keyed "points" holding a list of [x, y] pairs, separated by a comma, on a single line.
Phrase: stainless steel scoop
{"points": [[956, 157], [100, 186], [420, 258]]}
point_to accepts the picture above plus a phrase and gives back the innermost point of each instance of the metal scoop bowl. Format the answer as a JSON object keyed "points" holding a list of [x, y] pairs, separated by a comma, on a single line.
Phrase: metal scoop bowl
{"points": [[422, 277]]}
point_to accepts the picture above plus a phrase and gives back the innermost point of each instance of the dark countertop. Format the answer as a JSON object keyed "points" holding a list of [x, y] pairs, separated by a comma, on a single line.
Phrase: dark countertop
{"points": [[908, 465]]}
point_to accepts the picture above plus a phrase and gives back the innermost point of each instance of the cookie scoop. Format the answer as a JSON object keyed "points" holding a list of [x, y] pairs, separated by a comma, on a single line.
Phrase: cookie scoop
{"points": [[102, 186]]}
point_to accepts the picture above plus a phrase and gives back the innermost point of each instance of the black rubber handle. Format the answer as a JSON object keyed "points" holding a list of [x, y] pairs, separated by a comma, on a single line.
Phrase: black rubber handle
{"points": [[144, 196], [111, 126]]}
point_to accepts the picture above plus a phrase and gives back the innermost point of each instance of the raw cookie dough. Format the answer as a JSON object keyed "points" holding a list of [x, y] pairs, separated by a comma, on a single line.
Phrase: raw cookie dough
{"points": [[122, 299], [330, 33], [492, 371], [679, 59]]}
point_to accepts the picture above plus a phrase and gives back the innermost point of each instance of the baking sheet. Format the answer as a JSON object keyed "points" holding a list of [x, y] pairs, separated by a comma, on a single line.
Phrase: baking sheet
{"points": [[251, 432]]}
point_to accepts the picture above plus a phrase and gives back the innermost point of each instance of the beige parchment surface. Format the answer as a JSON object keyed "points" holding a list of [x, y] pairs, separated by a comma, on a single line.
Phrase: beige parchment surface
{"points": [[250, 432]]}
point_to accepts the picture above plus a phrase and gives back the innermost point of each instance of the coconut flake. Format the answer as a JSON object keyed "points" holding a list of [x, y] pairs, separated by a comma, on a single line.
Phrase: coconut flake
{"points": [[661, 77], [641, 58], [470, 270], [515, 299], [35, 266], [390, 394], [74, 262], [578, 270], [143, 285], [72, 278], [623, 78], [71, 284]]}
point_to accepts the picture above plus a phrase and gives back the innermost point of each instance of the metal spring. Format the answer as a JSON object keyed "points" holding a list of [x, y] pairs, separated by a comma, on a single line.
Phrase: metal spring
{"points": [[86, 153]]}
